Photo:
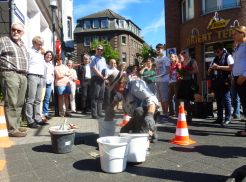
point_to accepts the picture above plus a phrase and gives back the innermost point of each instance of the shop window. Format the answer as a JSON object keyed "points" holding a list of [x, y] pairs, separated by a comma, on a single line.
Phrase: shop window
{"points": [[187, 10], [217, 5]]}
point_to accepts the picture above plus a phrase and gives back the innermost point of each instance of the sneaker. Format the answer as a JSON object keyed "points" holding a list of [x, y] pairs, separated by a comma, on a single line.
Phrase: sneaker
{"points": [[153, 138], [101, 115], [42, 123], [33, 125], [225, 123], [17, 133], [21, 129]]}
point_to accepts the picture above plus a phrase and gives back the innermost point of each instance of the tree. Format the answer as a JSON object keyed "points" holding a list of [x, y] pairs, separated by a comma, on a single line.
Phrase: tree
{"points": [[147, 52], [108, 51]]}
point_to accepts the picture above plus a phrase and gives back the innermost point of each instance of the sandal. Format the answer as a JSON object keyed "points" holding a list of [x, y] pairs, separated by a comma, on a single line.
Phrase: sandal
{"points": [[241, 134]]}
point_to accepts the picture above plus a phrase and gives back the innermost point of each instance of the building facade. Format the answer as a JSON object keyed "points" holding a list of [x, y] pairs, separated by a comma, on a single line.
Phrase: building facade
{"points": [[198, 24], [123, 34], [38, 19]]}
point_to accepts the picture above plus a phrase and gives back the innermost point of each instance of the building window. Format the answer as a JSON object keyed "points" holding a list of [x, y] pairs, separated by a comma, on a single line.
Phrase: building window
{"points": [[95, 38], [187, 10], [104, 37], [95, 24], [87, 24], [123, 56], [123, 40], [217, 5], [69, 27], [121, 23], [104, 23], [87, 41]]}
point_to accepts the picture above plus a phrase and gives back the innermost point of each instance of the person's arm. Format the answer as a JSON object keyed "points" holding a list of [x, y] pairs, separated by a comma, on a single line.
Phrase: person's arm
{"points": [[195, 68]]}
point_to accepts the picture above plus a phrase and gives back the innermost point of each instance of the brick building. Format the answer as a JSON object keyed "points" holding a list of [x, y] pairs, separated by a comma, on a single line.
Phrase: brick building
{"points": [[122, 34], [199, 24]]}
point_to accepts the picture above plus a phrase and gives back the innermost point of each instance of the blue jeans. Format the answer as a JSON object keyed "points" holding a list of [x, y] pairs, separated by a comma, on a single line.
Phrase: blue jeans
{"points": [[223, 99], [46, 101], [235, 101]]}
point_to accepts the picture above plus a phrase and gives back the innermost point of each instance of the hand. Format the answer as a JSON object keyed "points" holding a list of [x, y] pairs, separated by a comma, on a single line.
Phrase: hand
{"points": [[214, 66], [241, 80]]}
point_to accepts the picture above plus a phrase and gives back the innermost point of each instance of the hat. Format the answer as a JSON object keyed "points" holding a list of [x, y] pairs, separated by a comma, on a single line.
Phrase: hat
{"points": [[99, 47], [241, 29]]}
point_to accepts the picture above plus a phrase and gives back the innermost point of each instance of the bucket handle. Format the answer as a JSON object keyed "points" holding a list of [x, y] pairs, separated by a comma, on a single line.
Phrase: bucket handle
{"points": [[113, 155]]}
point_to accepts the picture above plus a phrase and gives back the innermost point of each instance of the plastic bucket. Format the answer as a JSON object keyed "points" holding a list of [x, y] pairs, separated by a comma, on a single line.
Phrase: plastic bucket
{"points": [[62, 140], [106, 128], [113, 153], [137, 147]]}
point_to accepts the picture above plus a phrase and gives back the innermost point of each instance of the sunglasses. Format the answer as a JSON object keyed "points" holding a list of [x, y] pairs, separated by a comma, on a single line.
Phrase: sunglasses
{"points": [[16, 30], [183, 53]]}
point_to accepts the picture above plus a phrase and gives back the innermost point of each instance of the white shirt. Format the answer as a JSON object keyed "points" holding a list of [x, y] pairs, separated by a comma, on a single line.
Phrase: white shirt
{"points": [[161, 67], [36, 62], [87, 71], [50, 72]]}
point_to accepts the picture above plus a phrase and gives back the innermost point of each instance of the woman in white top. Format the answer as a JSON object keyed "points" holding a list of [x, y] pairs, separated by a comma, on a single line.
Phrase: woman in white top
{"points": [[72, 80]]}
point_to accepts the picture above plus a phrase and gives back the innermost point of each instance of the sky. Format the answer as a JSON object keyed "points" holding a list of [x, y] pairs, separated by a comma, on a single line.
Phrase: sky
{"points": [[148, 15]]}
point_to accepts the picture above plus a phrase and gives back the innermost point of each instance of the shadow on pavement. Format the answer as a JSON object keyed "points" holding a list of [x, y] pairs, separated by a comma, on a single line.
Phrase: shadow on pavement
{"points": [[88, 165], [89, 139], [174, 175], [215, 151], [43, 148]]}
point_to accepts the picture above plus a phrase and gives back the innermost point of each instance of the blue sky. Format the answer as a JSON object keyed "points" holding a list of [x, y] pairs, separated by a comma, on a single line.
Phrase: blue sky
{"points": [[146, 14]]}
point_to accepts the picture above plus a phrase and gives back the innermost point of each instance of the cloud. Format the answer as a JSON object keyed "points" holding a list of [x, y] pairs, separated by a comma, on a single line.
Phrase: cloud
{"points": [[155, 25], [92, 6]]}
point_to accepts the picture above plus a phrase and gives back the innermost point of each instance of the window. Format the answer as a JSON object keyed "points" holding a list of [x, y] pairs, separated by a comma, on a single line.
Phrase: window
{"points": [[87, 41], [69, 27], [95, 38], [121, 23], [216, 5], [104, 23], [95, 24], [187, 8], [104, 37], [123, 56], [87, 24], [123, 39]]}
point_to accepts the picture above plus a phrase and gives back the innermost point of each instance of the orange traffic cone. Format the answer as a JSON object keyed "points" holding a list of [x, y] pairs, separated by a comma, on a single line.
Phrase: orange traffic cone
{"points": [[126, 119], [182, 133], [5, 142]]}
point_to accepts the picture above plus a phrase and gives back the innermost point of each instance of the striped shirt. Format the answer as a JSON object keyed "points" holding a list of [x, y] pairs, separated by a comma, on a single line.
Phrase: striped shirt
{"points": [[13, 56]]}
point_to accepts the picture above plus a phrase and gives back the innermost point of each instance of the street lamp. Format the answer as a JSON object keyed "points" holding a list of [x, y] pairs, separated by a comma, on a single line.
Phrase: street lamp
{"points": [[53, 6]]}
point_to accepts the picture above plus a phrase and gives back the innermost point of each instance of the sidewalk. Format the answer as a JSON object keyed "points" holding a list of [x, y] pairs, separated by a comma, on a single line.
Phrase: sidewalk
{"points": [[214, 157]]}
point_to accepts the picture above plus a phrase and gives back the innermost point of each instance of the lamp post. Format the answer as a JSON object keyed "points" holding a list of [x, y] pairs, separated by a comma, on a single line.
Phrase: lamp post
{"points": [[53, 6]]}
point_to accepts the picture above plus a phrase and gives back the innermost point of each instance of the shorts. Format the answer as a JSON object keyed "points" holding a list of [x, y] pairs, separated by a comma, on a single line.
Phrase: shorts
{"points": [[162, 91], [62, 90]]}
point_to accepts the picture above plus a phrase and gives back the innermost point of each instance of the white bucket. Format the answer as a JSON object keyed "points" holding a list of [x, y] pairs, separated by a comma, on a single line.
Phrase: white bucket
{"points": [[106, 128], [138, 143], [113, 153]]}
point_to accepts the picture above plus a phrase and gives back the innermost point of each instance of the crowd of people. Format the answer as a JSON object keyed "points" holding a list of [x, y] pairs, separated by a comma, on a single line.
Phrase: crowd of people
{"points": [[160, 83]]}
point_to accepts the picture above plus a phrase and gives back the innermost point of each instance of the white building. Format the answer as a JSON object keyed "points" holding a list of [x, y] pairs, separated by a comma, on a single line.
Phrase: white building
{"points": [[36, 15]]}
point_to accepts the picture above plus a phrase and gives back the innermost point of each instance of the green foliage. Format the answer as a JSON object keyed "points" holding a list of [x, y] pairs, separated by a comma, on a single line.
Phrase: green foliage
{"points": [[108, 51], [147, 52]]}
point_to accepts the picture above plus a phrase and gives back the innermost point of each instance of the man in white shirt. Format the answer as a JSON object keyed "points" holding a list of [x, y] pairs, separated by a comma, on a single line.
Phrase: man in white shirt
{"points": [[162, 78], [35, 76]]}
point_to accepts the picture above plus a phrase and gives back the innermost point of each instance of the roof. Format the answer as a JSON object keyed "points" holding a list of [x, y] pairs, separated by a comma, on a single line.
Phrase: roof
{"points": [[104, 14]]}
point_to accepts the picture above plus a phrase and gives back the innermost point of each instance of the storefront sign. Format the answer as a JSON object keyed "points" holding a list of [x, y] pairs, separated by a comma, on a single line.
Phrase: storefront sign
{"points": [[208, 37], [217, 24]]}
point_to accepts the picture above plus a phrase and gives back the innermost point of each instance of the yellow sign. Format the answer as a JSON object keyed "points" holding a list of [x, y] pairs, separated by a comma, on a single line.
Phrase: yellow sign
{"points": [[213, 24]]}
